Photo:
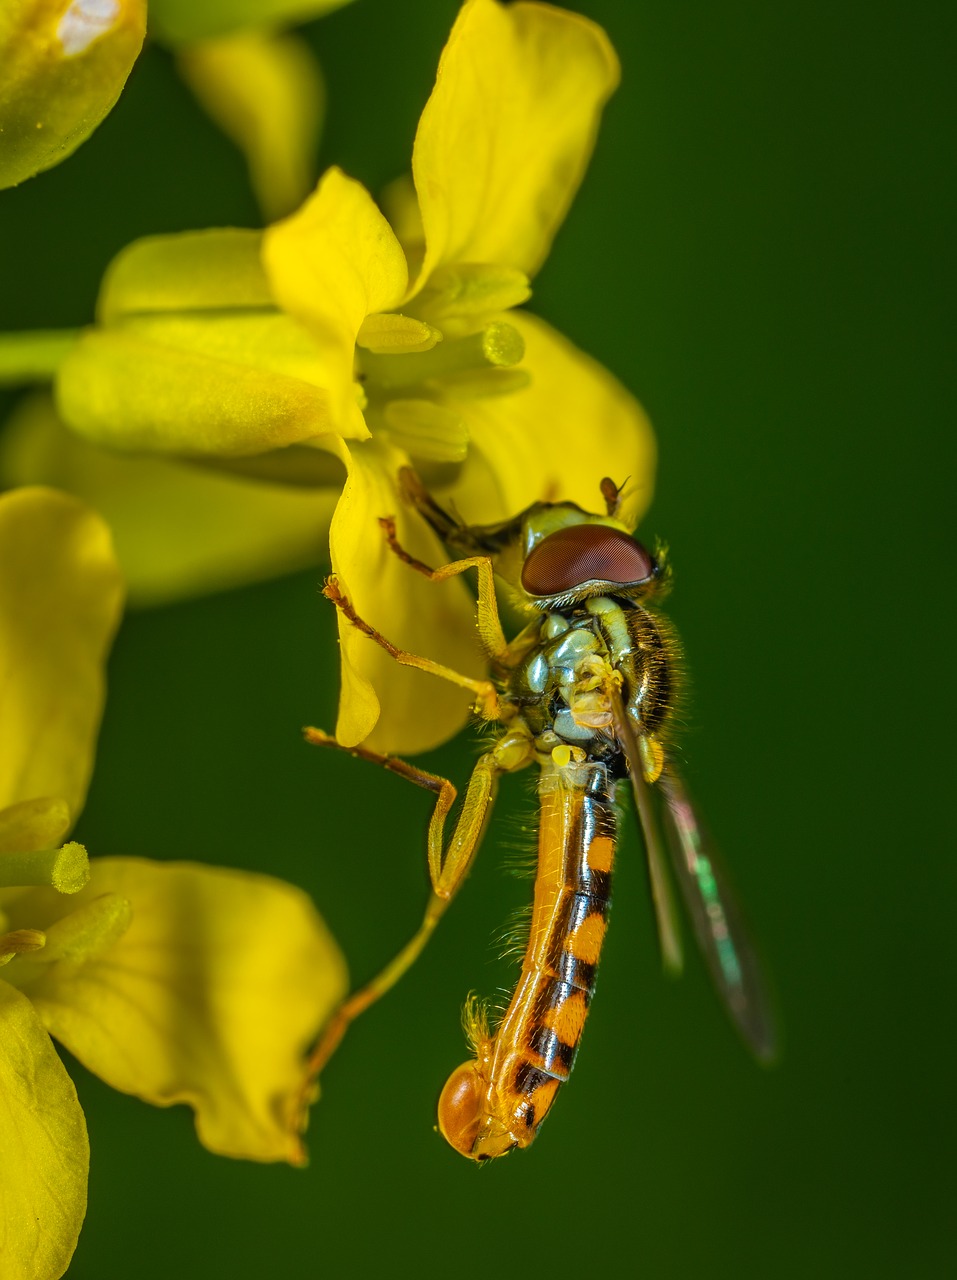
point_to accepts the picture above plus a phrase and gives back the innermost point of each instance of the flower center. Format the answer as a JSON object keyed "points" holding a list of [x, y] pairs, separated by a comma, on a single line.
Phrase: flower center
{"points": [[25, 883], [413, 395]]}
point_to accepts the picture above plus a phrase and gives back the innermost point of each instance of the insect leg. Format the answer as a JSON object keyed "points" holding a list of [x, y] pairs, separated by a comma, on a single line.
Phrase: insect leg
{"points": [[448, 865], [486, 695], [488, 621]]}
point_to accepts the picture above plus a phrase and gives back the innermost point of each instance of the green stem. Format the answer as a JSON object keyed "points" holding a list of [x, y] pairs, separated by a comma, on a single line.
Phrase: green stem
{"points": [[34, 355]]}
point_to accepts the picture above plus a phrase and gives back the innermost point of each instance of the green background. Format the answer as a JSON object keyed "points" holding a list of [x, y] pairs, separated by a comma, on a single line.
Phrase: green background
{"points": [[759, 253]]}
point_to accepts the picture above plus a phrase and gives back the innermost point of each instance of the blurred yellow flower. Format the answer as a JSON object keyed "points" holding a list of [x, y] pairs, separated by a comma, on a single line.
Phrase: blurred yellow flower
{"points": [[337, 347], [171, 981], [261, 84], [64, 64]]}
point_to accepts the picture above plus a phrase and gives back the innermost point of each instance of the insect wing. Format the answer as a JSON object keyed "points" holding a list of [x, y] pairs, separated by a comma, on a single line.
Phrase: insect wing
{"points": [[662, 897], [716, 920]]}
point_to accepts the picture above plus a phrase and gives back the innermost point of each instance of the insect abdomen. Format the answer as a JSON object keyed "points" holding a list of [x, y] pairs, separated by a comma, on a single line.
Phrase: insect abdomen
{"points": [[499, 1101]]}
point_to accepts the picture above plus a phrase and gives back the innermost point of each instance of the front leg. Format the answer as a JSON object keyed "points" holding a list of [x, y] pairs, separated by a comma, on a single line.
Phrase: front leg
{"points": [[487, 703], [487, 616]]}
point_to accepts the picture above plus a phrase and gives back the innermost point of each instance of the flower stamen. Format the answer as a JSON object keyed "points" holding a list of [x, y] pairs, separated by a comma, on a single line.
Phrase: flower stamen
{"points": [[66, 869], [88, 931], [470, 289], [389, 333], [427, 430], [497, 346], [18, 942]]}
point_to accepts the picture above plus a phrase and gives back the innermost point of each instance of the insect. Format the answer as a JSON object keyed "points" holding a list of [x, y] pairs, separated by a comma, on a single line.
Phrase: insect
{"points": [[586, 691]]}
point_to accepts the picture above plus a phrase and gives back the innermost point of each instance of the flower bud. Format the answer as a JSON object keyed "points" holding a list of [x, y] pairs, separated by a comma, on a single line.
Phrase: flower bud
{"points": [[64, 64]]}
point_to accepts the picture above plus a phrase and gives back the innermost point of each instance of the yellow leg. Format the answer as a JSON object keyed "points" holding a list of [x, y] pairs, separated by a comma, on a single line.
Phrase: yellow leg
{"points": [[486, 695], [487, 616], [448, 867]]}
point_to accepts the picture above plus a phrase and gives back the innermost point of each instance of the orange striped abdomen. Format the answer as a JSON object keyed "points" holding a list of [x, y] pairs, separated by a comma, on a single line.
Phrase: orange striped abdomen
{"points": [[498, 1101]]}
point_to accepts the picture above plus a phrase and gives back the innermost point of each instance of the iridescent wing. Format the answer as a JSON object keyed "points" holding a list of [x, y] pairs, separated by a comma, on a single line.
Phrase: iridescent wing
{"points": [[666, 913], [716, 919]]}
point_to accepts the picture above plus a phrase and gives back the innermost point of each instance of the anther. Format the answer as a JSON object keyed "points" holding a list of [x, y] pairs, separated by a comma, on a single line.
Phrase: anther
{"points": [[497, 346], [88, 931], [392, 334], [19, 942]]}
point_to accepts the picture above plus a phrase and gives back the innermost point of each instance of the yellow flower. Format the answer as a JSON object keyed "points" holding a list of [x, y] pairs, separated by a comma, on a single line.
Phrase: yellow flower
{"points": [[174, 982], [337, 340], [64, 64]]}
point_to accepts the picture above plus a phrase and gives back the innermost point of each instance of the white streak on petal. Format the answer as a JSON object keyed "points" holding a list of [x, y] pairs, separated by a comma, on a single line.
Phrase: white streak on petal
{"points": [[84, 21]]}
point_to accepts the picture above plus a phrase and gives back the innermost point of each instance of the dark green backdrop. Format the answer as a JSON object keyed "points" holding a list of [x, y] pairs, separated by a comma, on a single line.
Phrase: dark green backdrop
{"points": [[759, 253]]}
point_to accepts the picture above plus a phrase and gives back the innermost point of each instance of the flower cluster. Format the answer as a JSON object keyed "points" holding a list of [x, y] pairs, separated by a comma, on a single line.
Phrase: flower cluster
{"points": [[338, 346], [242, 406], [160, 977]]}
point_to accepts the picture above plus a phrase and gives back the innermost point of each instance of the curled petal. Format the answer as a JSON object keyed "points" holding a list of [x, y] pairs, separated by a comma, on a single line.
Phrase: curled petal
{"points": [[46, 1152], [265, 91], [403, 710], [504, 140], [228, 530], [555, 439], [60, 598], [330, 265], [210, 997]]}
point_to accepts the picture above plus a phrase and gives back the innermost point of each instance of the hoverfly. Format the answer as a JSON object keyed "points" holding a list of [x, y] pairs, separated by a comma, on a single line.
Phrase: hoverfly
{"points": [[586, 691]]}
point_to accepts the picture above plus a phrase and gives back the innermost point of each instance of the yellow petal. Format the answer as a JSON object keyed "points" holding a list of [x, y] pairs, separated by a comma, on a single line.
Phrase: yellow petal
{"points": [[176, 21], [403, 710], [330, 265], [64, 64], [232, 386], [266, 93], [227, 531], [504, 139], [40, 823], [210, 997], [60, 598], [46, 1153], [192, 271], [557, 438]]}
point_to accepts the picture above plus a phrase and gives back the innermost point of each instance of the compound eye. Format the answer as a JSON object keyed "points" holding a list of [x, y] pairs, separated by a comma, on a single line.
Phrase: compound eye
{"points": [[584, 553]]}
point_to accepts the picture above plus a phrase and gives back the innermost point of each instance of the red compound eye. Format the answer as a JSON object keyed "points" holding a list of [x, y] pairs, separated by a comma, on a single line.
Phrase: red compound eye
{"points": [[584, 553]]}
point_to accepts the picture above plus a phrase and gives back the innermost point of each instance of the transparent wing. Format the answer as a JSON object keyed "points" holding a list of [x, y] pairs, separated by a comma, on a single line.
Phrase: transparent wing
{"points": [[716, 919], [666, 912]]}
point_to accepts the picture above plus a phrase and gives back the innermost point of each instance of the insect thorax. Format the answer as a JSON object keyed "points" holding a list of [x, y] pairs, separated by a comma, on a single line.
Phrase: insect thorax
{"points": [[560, 687]]}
